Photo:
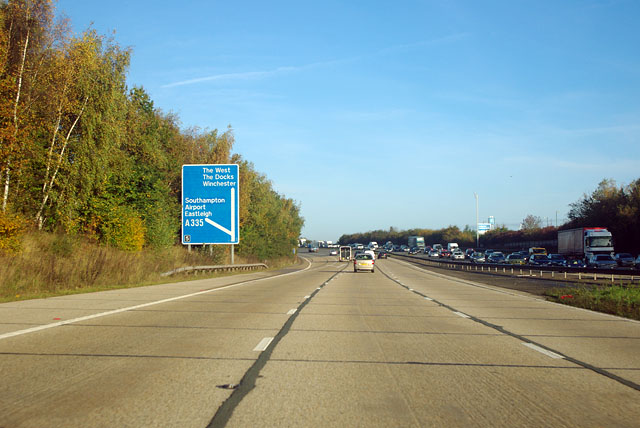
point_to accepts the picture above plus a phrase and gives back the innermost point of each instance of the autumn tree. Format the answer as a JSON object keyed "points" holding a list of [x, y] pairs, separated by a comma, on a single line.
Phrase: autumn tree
{"points": [[26, 37], [531, 222]]}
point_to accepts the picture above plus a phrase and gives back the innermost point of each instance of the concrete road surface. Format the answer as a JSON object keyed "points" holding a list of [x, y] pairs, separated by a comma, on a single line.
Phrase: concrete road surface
{"points": [[320, 347]]}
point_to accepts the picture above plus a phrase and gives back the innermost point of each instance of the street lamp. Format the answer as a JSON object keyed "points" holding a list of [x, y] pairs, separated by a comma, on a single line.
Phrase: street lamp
{"points": [[477, 220]]}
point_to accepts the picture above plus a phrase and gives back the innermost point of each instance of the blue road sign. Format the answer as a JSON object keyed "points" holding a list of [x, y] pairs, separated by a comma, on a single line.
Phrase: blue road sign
{"points": [[210, 212], [483, 228]]}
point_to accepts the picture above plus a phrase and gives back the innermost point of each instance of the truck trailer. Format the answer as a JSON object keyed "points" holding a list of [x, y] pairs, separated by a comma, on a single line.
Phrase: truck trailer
{"points": [[584, 242], [416, 241]]}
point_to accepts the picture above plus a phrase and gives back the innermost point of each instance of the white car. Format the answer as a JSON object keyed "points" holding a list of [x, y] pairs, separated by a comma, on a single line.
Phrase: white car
{"points": [[457, 255], [333, 253]]}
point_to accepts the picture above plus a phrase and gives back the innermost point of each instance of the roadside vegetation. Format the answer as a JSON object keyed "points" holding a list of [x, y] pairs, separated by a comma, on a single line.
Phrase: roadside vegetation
{"points": [[91, 170], [51, 264], [614, 207], [621, 300]]}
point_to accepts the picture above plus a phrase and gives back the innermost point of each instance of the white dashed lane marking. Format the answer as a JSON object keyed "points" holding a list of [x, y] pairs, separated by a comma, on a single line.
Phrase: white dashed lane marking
{"points": [[542, 350], [264, 343]]}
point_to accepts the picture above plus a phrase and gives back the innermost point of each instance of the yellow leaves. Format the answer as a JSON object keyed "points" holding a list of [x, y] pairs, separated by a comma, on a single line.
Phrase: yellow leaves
{"points": [[124, 229], [11, 229]]}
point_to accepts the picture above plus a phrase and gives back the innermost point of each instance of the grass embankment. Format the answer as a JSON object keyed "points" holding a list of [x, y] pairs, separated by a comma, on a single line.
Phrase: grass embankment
{"points": [[51, 265], [622, 300]]}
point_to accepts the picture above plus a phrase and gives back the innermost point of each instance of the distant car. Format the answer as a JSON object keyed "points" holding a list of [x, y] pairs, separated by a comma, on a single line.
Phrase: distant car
{"points": [[487, 253], [457, 255], [602, 261], [468, 253], [445, 253], [576, 263], [637, 262], [371, 253], [538, 260], [434, 253], [313, 249], [538, 250], [624, 260], [557, 260], [477, 257], [524, 254], [496, 257], [515, 259], [333, 253], [383, 255], [363, 261], [404, 248], [414, 250]]}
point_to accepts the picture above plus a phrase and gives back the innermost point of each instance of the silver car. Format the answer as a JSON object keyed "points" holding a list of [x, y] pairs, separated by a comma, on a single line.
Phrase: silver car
{"points": [[363, 261], [602, 261]]}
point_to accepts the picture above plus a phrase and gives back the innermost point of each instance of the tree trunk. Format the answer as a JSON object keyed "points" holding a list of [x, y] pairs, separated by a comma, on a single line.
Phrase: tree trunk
{"points": [[7, 181], [45, 196]]}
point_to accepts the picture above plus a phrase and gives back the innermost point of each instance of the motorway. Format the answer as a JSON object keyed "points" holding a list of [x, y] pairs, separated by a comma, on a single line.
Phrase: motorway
{"points": [[316, 347]]}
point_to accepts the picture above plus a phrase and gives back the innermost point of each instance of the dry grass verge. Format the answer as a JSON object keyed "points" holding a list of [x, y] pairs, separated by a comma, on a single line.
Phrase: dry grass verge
{"points": [[56, 264]]}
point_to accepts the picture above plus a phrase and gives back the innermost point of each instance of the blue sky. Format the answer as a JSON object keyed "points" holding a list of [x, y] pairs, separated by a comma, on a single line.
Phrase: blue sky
{"points": [[374, 114]]}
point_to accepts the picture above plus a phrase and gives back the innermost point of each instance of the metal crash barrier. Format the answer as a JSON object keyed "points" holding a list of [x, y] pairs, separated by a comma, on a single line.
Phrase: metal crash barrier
{"points": [[221, 268]]}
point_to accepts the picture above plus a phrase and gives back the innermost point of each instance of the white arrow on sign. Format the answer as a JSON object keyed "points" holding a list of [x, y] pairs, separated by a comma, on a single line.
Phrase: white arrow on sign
{"points": [[232, 232]]}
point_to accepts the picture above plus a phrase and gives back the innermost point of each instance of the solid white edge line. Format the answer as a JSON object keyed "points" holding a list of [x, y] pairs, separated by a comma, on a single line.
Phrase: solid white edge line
{"points": [[460, 314], [291, 312], [264, 343], [429, 298], [307, 297], [144, 305], [543, 351], [504, 291]]}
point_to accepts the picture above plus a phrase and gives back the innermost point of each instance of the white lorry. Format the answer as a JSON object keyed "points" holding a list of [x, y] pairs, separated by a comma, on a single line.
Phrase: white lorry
{"points": [[584, 242], [416, 242]]}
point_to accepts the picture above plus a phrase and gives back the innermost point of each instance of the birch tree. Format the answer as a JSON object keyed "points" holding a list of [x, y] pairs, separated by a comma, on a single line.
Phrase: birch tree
{"points": [[25, 27]]}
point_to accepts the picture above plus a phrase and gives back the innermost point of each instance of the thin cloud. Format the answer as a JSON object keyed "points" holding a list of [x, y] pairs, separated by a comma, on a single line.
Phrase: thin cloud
{"points": [[249, 75], [620, 165], [232, 76]]}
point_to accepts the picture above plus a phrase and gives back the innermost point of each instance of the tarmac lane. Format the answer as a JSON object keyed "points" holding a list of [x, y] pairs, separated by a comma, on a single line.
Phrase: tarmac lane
{"points": [[321, 347], [165, 355], [403, 347]]}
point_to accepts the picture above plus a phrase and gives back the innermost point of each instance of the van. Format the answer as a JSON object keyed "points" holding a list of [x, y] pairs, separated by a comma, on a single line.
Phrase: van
{"points": [[537, 250], [452, 246]]}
